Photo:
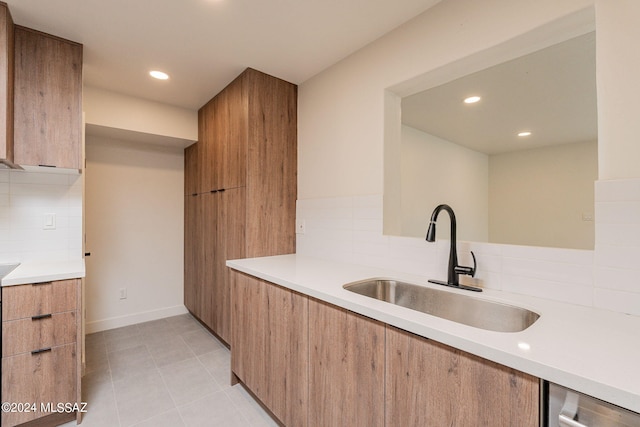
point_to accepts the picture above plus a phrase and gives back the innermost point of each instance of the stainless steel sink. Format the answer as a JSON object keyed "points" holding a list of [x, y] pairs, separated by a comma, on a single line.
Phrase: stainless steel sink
{"points": [[468, 310]]}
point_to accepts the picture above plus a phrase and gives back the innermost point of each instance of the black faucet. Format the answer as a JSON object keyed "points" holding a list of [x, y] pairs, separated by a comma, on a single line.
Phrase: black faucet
{"points": [[454, 269]]}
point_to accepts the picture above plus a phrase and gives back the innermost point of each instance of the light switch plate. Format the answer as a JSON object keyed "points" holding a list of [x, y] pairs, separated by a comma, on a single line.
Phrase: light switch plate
{"points": [[49, 221], [301, 227]]}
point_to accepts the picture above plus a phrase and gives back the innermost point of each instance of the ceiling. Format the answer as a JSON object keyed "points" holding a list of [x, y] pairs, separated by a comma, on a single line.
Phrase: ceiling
{"points": [[204, 44], [551, 92]]}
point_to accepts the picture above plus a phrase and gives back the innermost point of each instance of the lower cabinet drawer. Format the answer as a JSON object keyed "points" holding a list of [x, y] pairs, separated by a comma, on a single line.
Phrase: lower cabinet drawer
{"points": [[26, 335], [41, 380], [23, 301]]}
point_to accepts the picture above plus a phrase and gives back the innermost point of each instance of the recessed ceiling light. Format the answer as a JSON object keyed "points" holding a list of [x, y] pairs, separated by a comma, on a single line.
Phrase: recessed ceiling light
{"points": [[471, 100], [159, 75], [525, 133]]}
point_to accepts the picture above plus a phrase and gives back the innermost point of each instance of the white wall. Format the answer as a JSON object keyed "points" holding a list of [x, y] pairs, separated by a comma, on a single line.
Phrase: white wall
{"points": [[341, 130], [108, 109], [134, 228], [436, 171], [25, 198], [341, 110], [618, 68]]}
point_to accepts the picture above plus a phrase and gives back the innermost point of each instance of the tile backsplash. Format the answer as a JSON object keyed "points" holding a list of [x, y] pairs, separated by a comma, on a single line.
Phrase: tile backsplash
{"points": [[26, 198], [349, 229]]}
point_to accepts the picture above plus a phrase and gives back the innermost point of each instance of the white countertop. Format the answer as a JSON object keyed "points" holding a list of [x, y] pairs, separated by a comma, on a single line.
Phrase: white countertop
{"points": [[36, 272], [593, 351]]}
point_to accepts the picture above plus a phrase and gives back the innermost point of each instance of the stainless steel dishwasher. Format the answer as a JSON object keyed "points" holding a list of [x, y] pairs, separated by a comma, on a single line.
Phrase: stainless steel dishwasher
{"points": [[568, 408]]}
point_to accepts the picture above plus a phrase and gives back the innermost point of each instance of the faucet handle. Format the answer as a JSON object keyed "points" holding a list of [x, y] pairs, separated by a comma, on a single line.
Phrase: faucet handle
{"points": [[469, 271]]}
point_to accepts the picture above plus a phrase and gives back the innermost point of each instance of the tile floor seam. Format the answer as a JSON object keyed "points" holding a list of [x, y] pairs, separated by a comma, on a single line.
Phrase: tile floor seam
{"points": [[175, 404], [113, 389]]}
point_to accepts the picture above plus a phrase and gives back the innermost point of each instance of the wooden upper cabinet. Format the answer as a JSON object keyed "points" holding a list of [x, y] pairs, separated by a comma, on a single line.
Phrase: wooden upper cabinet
{"points": [[191, 170], [6, 85], [248, 135], [48, 100], [224, 139]]}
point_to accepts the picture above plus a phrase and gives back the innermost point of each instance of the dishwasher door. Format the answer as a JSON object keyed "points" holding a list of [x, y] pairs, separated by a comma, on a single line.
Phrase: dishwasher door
{"points": [[567, 408]]}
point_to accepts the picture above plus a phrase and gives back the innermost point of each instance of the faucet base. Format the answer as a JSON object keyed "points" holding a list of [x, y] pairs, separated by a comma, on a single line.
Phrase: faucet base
{"points": [[458, 286]]}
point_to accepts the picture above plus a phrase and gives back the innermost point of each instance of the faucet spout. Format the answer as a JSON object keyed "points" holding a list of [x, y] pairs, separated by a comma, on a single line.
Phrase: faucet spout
{"points": [[454, 270]]}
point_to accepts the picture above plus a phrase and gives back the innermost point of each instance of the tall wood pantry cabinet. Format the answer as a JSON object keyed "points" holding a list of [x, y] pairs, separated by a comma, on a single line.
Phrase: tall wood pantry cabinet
{"points": [[240, 188]]}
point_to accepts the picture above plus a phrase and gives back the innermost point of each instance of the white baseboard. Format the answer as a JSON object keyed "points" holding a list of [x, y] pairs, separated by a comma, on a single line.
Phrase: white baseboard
{"points": [[132, 319]]}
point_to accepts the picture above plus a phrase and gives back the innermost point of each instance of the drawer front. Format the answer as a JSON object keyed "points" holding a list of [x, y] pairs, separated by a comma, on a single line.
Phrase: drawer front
{"points": [[29, 334], [23, 301], [38, 378]]}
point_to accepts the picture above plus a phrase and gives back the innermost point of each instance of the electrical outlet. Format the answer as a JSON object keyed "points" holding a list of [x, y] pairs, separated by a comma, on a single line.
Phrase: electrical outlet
{"points": [[301, 227], [123, 293]]}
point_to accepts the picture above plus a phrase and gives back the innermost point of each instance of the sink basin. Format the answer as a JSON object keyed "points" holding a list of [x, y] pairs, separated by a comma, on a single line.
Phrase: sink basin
{"points": [[468, 310]]}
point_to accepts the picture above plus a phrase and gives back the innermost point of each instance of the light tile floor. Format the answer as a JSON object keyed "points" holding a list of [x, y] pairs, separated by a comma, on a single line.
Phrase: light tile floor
{"points": [[170, 372]]}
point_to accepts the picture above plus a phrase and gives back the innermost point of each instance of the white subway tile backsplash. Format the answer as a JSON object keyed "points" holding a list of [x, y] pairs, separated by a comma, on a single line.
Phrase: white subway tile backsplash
{"points": [[552, 271], [350, 229], [618, 234], [617, 190], [618, 212], [618, 279], [25, 197], [623, 302], [39, 178], [557, 291], [618, 256]]}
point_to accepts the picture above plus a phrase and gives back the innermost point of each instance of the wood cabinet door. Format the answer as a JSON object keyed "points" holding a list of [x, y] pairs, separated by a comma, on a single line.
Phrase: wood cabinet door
{"points": [[191, 170], [270, 347], [208, 219], [48, 100], [431, 384], [346, 367], [271, 165], [230, 244], [192, 254], [46, 377], [232, 123], [207, 171]]}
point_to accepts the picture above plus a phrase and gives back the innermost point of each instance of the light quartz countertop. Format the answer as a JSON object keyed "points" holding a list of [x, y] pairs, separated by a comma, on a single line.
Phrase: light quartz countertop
{"points": [[592, 351], [36, 272]]}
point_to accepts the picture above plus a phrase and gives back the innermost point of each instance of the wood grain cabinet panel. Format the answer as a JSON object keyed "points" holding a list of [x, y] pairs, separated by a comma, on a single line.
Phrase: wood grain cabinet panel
{"points": [[346, 367], [193, 254], [49, 376], [48, 100], [37, 299], [6, 85], [40, 347], [431, 384], [26, 335], [270, 347], [191, 170], [229, 244]]}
